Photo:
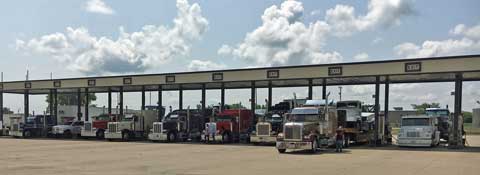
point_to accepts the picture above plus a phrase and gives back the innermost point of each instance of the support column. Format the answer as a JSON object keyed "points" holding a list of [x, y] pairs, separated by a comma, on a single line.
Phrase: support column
{"points": [[160, 104], [120, 103], [457, 136], [26, 104], [109, 105], [55, 106], [222, 97], [377, 108], [252, 101], [324, 89], [87, 99], [387, 95], [180, 98], [143, 98], [79, 104], [204, 94], [50, 102], [1, 106], [269, 99], [310, 89]]}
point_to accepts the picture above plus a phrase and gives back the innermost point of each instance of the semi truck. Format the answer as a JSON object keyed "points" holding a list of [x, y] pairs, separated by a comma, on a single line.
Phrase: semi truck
{"points": [[179, 125], [309, 127], [444, 120], [98, 126], [35, 126], [419, 131], [131, 126], [353, 121], [231, 125]]}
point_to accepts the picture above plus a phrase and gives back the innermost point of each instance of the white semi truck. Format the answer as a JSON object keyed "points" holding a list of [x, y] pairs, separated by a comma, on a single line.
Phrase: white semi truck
{"points": [[131, 126], [419, 131]]}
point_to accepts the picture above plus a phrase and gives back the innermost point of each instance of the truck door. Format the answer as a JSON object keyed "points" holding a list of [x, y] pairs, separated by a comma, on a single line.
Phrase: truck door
{"points": [[341, 118]]}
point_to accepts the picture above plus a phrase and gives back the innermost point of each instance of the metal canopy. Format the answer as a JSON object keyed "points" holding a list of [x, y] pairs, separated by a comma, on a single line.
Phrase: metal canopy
{"points": [[420, 70]]}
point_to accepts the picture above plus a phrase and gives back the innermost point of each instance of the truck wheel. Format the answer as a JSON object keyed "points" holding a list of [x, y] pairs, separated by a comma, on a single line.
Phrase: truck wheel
{"points": [[100, 134], [27, 134], [347, 142], [126, 136], [67, 134], [281, 150], [171, 137], [226, 137]]}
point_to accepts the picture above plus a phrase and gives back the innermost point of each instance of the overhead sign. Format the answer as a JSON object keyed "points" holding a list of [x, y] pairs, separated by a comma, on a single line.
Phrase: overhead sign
{"points": [[335, 71], [28, 85], [170, 78], [217, 76], [92, 82], [57, 84], [273, 74], [413, 67]]}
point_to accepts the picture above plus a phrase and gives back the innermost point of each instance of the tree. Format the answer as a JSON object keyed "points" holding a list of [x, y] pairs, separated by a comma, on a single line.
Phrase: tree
{"points": [[71, 99], [422, 107], [7, 110], [234, 106]]}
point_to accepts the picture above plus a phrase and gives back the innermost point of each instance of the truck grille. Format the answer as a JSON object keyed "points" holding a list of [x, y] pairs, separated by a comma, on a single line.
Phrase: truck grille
{"points": [[112, 127], [87, 126], [157, 128], [413, 134], [293, 132], [263, 129], [15, 127]]}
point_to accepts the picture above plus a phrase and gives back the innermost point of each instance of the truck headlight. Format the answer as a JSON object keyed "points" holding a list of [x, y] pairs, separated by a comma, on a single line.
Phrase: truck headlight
{"points": [[280, 137]]}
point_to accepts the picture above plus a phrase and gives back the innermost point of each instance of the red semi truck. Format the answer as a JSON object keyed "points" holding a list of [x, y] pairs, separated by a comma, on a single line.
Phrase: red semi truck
{"points": [[226, 128], [97, 127]]}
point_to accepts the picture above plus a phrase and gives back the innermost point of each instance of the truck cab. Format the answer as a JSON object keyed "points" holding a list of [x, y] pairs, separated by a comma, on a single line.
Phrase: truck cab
{"points": [[68, 130], [349, 115], [130, 126], [96, 128], [179, 125], [419, 131], [226, 126], [309, 127], [35, 126], [444, 121], [267, 128]]}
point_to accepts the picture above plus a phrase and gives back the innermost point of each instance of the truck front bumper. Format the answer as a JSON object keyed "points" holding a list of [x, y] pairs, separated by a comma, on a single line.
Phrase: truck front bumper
{"points": [[157, 136], [16, 133], [113, 135], [88, 133], [263, 139], [293, 145], [415, 142]]}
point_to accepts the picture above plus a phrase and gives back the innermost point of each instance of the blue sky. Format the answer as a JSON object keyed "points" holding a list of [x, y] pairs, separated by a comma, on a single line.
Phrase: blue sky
{"points": [[36, 36]]}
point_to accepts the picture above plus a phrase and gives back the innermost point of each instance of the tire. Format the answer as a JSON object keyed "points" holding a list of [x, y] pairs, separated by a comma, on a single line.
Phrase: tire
{"points": [[126, 136], [281, 151], [347, 142], [27, 134], [314, 146], [226, 137], [67, 134], [171, 137], [100, 134]]}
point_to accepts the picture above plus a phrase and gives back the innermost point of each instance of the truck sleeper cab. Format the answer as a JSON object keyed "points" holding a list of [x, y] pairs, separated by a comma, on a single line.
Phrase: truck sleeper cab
{"points": [[130, 127], [226, 128], [179, 125], [36, 126], [266, 131], [419, 131], [97, 127]]}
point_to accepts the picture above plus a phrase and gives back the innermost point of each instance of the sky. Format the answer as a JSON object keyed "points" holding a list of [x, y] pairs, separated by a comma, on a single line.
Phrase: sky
{"points": [[79, 38]]}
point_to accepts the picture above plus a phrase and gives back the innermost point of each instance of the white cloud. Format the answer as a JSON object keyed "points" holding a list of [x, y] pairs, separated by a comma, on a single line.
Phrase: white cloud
{"points": [[361, 57], [468, 44], [98, 6], [199, 65], [283, 39], [380, 13], [377, 40], [130, 52], [315, 12]]}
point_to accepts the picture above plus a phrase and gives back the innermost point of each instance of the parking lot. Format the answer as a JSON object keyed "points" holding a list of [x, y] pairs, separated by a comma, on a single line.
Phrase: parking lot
{"points": [[46, 156]]}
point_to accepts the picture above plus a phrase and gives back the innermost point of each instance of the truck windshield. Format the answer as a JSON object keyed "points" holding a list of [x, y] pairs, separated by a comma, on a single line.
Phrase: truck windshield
{"points": [[437, 113], [350, 104], [415, 122], [304, 118]]}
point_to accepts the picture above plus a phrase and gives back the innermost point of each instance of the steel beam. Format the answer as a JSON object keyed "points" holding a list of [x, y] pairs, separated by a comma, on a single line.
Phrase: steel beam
{"points": [[1, 106], [269, 99], [87, 99], [26, 103], [252, 101], [79, 104], [203, 97], [50, 102], [222, 97], [55, 106], [160, 103], [109, 105], [457, 111], [180, 98], [120, 103], [310, 89], [143, 98], [324, 89], [387, 96], [377, 108]]}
